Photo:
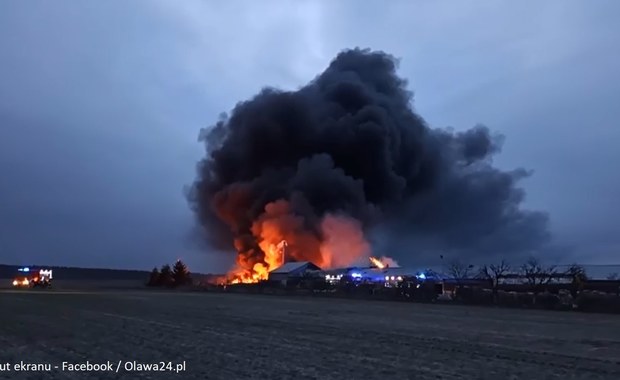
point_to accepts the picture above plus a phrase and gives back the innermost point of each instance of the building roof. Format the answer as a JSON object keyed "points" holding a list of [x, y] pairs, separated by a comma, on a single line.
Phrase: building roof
{"points": [[597, 272], [295, 266]]}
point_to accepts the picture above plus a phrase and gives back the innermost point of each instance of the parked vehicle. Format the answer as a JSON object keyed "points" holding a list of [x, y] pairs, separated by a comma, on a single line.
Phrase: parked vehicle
{"points": [[33, 278]]}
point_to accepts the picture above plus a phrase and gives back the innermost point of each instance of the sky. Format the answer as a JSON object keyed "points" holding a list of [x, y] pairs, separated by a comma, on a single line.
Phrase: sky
{"points": [[101, 104]]}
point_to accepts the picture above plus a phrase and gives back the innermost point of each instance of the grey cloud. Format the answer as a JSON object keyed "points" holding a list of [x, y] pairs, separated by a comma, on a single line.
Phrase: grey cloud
{"points": [[101, 104]]}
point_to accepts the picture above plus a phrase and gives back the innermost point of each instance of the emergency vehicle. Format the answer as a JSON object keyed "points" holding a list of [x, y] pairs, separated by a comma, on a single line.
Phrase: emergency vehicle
{"points": [[33, 278]]}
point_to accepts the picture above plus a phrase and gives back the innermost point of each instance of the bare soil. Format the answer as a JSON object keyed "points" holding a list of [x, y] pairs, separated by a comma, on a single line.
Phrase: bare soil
{"points": [[235, 337]]}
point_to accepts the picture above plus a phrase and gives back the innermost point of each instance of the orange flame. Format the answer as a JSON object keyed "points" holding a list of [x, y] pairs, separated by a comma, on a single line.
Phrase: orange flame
{"points": [[376, 262], [384, 262], [282, 235], [274, 257]]}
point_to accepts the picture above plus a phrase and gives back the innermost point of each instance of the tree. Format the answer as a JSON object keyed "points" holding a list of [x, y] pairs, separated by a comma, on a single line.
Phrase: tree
{"points": [[153, 278], [537, 275], [492, 273], [180, 274], [579, 277], [459, 271], [577, 271], [165, 276]]}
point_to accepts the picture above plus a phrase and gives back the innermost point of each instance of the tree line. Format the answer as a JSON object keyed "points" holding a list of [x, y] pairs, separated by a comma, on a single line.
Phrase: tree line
{"points": [[535, 275], [170, 276]]}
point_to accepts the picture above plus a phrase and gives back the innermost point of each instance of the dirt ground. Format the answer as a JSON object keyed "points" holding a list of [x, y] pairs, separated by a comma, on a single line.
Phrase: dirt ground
{"points": [[235, 337]]}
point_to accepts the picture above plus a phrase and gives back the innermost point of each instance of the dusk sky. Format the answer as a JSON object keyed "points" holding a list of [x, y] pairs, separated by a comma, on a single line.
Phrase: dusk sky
{"points": [[102, 102]]}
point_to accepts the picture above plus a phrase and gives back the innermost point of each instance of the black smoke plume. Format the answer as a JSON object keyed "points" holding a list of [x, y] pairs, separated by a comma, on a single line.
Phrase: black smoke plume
{"points": [[350, 143]]}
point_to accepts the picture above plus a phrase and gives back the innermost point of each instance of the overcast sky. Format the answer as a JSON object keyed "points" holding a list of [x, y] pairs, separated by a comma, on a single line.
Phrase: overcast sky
{"points": [[101, 104]]}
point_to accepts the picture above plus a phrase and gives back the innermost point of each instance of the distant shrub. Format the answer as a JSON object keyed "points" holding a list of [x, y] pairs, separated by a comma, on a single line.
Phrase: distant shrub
{"points": [[509, 299], [547, 300], [483, 297], [474, 296], [566, 299], [598, 302], [165, 276], [153, 278], [318, 284], [525, 299]]}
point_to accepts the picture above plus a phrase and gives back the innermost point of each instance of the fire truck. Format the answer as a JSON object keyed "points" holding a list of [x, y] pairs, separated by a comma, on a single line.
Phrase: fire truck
{"points": [[33, 278]]}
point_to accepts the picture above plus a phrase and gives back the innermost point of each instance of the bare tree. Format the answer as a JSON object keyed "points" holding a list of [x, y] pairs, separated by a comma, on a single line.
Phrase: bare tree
{"points": [[577, 271], [579, 277], [492, 273], [459, 271], [537, 275], [612, 276]]}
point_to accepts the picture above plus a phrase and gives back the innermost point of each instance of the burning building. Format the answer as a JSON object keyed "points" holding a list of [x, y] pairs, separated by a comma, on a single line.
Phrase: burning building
{"points": [[380, 272], [293, 270], [345, 158]]}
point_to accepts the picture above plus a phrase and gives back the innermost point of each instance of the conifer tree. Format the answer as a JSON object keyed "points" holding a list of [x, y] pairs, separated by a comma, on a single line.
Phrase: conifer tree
{"points": [[165, 276], [153, 278], [180, 274]]}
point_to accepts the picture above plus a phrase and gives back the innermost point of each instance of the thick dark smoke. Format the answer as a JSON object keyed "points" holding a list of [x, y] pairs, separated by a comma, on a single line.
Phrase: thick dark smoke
{"points": [[349, 143]]}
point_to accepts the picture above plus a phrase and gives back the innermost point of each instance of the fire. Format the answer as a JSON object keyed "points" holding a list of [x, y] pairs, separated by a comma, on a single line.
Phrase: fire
{"points": [[279, 235], [376, 262], [274, 257], [384, 262], [343, 242]]}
